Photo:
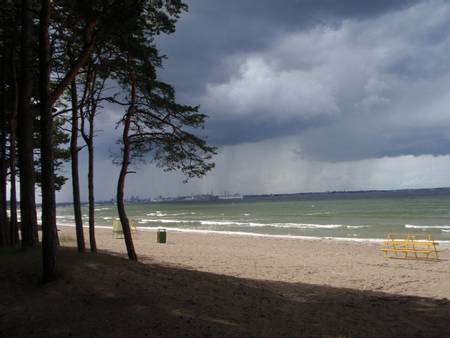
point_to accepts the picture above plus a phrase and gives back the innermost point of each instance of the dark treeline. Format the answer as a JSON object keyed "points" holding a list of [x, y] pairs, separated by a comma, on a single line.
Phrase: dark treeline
{"points": [[60, 62]]}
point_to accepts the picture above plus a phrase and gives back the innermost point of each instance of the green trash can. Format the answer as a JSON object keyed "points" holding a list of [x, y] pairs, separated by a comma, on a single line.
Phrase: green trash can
{"points": [[161, 236]]}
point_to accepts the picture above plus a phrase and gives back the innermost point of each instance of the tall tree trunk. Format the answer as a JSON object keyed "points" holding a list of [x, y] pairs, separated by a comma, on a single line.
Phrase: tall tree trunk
{"points": [[13, 193], [25, 134], [123, 173], [89, 140], [12, 155], [74, 163], [90, 145], [3, 176], [48, 184], [4, 226]]}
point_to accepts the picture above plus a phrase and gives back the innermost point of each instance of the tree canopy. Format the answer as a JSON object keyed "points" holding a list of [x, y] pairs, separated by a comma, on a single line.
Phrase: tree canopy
{"points": [[62, 53]]}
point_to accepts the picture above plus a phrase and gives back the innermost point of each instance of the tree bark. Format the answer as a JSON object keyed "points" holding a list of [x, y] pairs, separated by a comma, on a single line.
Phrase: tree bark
{"points": [[25, 135], [89, 116], [12, 155], [90, 145], [13, 192], [48, 186], [3, 176], [4, 226], [89, 139], [123, 172], [74, 164]]}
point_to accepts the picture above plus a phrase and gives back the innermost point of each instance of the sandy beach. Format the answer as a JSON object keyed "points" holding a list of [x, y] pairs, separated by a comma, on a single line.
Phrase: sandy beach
{"points": [[209, 285], [335, 263]]}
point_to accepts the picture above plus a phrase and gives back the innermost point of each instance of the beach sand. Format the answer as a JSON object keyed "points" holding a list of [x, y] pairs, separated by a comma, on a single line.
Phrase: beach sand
{"points": [[209, 285], [336, 263]]}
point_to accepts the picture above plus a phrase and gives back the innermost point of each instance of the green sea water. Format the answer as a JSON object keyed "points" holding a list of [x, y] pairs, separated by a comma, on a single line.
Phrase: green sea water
{"points": [[357, 217]]}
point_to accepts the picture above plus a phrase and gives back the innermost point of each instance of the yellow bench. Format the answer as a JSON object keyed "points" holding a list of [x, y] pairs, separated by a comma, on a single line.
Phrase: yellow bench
{"points": [[117, 230], [411, 248]]}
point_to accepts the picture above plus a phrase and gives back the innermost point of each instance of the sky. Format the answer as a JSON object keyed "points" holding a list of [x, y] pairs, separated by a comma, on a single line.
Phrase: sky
{"points": [[303, 96]]}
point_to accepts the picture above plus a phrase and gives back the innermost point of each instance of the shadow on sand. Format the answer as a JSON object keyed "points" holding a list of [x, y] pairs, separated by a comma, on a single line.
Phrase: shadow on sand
{"points": [[107, 296]]}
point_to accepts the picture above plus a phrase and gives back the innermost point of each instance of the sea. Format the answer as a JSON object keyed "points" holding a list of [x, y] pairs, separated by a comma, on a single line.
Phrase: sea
{"points": [[359, 216]]}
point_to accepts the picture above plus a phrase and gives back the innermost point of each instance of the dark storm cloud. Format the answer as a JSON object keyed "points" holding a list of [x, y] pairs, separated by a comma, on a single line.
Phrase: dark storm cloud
{"points": [[319, 69], [340, 145], [214, 30], [226, 132]]}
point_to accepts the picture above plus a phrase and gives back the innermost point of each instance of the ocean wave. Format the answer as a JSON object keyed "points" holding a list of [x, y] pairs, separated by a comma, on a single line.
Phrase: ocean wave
{"points": [[288, 237], [437, 227], [222, 223], [358, 226], [144, 220], [445, 230], [275, 225], [172, 214], [244, 224], [306, 225], [65, 224], [100, 209], [157, 213]]}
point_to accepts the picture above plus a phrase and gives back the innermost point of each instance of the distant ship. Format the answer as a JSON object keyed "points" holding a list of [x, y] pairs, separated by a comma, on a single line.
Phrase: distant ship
{"points": [[230, 197]]}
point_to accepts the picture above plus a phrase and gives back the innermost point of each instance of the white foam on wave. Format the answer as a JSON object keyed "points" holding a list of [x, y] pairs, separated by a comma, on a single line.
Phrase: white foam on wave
{"points": [[85, 226], [222, 223], [252, 234], [275, 225], [438, 227], [358, 226], [101, 209], [295, 237], [157, 214], [252, 224], [159, 220]]}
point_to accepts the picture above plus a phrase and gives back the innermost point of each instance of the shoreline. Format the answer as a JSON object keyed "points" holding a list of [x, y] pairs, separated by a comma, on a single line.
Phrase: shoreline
{"points": [[342, 264], [445, 243]]}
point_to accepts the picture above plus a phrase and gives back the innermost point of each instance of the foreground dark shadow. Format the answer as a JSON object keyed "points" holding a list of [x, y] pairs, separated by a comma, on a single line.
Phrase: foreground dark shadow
{"points": [[106, 296]]}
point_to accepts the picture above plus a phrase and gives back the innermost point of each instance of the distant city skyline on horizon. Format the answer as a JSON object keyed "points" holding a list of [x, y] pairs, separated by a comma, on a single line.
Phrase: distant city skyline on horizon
{"points": [[139, 199]]}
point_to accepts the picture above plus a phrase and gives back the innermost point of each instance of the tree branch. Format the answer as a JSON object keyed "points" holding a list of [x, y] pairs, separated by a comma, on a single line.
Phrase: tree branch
{"points": [[81, 61]]}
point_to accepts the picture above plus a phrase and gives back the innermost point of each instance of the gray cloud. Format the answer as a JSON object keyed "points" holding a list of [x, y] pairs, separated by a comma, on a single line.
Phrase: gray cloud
{"points": [[214, 30], [385, 72]]}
